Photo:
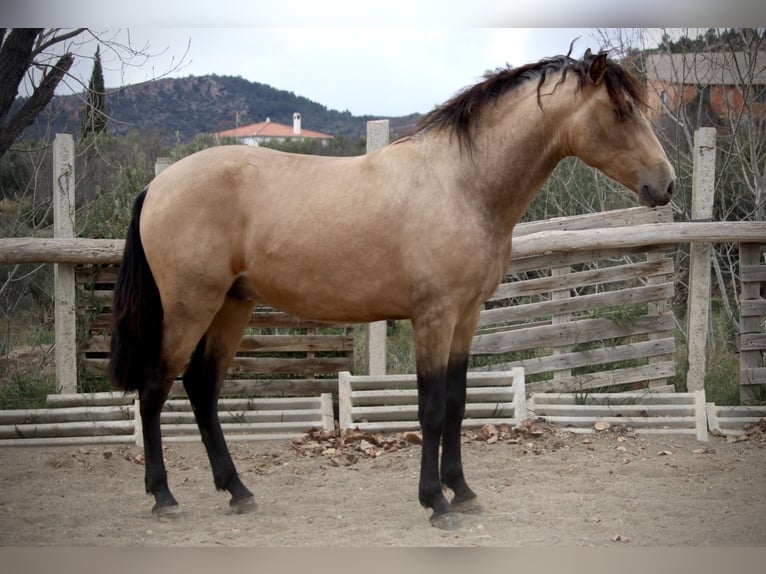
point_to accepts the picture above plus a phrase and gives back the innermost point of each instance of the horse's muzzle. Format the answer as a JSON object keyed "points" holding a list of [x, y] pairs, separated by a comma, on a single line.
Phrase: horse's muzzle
{"points": [[657, 192]]}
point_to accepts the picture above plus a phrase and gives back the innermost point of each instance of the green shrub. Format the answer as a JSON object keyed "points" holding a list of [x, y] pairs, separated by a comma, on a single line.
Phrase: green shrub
{"points": [[25, 387]]}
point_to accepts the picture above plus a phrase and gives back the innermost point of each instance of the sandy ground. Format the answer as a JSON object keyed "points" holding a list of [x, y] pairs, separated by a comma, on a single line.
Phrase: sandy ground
{"points": [[549, 488]]}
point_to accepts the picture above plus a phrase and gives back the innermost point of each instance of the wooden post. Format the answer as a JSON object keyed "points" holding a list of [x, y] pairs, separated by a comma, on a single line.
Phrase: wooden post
{"points": [[138, 424], [698, 312], [63, 274], [377, 137], [160, 165]]}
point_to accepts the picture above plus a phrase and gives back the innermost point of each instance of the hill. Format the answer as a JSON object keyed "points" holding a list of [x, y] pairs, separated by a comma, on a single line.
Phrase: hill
{"points": [[181, 108]]}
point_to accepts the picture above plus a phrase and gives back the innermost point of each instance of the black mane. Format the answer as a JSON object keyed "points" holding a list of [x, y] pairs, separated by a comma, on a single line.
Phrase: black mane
{"points": [[461, 113]]}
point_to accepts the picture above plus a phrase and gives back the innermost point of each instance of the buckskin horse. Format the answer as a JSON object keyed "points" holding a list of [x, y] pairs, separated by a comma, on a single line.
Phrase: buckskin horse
{"points": [[419, 230]]}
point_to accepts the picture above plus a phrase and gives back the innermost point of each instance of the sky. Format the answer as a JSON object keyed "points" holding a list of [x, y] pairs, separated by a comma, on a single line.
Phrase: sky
{"points": [[385, 58], [367, 71]]}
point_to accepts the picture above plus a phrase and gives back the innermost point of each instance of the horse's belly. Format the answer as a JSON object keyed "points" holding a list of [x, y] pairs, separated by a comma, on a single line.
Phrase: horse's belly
{"points": [[332, 301]]}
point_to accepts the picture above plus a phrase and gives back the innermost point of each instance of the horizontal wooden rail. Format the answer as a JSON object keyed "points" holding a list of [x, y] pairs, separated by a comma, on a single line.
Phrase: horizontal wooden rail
{"points": [[49, 250], [644, 411], [389, 403], [103, 251], [112, 418], [640, 235]]}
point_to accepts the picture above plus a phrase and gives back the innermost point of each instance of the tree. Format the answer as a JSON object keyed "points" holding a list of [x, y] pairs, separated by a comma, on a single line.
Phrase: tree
{"points": [[40, 59], [710, 58], [710, 78], [20, 50], [94, 116], [34, 62]]}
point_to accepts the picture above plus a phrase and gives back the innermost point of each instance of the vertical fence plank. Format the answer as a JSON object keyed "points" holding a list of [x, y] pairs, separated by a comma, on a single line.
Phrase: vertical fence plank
{"points": [[559, 319], [377, 137], [63, 274], [750, 359], [698, 315]]}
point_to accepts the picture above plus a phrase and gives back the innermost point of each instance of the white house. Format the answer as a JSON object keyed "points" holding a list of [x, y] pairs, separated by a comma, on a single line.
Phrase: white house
{"points": [[255, 134]]}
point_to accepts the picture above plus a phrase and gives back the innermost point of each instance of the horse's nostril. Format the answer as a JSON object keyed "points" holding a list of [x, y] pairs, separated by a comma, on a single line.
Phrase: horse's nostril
{"points": [[671, 187]]}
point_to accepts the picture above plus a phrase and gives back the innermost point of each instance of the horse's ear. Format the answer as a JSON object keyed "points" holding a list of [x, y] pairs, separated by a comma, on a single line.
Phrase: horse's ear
{"points": [[597, 69]]}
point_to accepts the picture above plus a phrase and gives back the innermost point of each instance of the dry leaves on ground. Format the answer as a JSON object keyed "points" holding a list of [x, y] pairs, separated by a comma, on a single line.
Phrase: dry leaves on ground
{"points": [[756, 431], [344, 448], [536, 435]]}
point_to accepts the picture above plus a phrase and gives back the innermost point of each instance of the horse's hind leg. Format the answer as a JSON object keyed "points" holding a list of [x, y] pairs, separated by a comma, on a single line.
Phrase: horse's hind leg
{"points": [[203, 380], [179, 336], [152, 398]]}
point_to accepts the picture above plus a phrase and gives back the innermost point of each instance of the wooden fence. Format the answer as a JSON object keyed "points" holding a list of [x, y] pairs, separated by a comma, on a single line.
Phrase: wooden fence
{"points": [[752, 339], [646, 412], [114, 418], [279, 355], [587, 319], [376, 403], [735, 420], [585, 305]]}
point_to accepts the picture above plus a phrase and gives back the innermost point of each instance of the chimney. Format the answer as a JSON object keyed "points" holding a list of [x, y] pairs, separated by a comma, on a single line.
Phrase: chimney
{"points": [[296, 124]]}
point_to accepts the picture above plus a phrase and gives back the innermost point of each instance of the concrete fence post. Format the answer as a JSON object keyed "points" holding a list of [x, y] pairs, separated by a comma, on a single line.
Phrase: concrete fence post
{"points": [[698, 310], [65, 329], [161, 164], [377, 137]]}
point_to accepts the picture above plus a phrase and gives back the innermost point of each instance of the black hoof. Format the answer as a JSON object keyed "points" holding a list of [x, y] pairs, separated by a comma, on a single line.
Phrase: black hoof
{"points": [[448, 521], [243, 505], [466, 502], [467, 505], [166, 513]]}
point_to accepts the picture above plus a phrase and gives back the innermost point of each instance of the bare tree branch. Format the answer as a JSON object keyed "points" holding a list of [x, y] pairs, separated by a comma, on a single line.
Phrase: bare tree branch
{"points": [[35, 104], [28, 55], [56, 40], [15, 59]]}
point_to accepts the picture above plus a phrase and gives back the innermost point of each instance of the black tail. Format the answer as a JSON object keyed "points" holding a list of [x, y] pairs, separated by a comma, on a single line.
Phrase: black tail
{"points": [[136, 314]]}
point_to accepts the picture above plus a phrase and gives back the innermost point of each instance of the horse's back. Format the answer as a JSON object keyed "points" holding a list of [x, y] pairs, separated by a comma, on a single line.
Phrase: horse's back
{"points": [[293, 225], [347, 239]]}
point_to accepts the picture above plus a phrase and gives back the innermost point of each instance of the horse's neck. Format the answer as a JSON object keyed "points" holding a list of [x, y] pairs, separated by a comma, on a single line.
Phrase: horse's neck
{"points": [[517, 147]]}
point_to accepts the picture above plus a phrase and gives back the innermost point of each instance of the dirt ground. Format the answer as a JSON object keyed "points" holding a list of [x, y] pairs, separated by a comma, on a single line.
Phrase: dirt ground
{"points": [[544, 487]]}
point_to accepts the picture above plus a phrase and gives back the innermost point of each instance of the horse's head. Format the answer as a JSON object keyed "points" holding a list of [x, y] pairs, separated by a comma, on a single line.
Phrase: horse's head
{"points": [[610, 132]]}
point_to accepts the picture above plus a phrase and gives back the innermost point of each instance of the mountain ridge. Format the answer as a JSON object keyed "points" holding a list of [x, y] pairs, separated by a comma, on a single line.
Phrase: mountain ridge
{"points": [[181, 108]]}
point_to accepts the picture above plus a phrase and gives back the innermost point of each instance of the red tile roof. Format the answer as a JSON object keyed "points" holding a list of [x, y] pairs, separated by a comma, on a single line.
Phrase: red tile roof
{"points": [[269, 129]]}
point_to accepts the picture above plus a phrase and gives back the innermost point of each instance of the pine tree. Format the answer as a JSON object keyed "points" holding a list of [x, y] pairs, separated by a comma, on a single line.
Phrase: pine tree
{"points": [[94, 112]]}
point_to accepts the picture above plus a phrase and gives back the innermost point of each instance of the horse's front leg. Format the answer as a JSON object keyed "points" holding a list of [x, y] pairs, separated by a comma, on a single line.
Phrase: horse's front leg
{"points": [[431, 410], [452, 474], [433, 335]]}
